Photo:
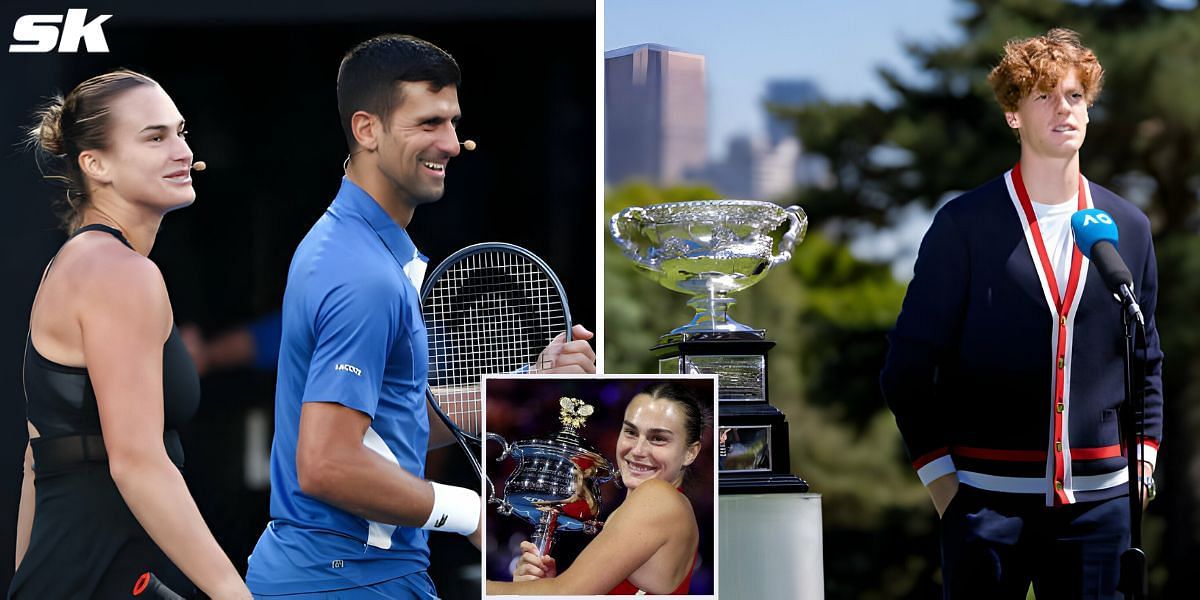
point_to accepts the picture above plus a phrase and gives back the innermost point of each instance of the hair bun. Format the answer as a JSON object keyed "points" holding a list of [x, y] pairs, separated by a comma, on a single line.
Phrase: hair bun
{"points": [[47, 132]]}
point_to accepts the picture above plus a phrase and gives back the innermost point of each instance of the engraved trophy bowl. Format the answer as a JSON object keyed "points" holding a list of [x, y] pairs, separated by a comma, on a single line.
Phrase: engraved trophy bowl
{"points": [[555, 484], [708, 249]]}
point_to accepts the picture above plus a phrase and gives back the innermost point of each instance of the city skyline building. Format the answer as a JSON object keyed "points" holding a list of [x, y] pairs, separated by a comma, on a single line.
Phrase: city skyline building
{"points": [[788, 93], [656, 114], [770, 166]]}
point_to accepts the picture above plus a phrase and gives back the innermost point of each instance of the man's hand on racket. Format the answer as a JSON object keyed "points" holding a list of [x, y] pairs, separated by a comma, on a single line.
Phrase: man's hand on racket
{"points": [[561, 356]]}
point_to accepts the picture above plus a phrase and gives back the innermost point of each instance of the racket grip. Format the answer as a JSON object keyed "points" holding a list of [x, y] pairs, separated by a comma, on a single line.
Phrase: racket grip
{"points": [[150, 587]]}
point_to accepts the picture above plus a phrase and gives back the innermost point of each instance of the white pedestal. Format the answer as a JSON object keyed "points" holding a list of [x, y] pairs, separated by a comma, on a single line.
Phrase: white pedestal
{"points": [[770, 547]]}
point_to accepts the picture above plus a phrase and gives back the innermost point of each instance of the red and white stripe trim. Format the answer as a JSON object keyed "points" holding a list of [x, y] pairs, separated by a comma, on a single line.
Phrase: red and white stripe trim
{"points": [[936, 468], [1062, 310], [1038, 485], [1034, 455]]}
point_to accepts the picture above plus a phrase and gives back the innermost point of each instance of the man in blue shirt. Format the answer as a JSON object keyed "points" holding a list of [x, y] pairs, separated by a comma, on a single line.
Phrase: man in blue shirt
{"points": [[348, 501]]}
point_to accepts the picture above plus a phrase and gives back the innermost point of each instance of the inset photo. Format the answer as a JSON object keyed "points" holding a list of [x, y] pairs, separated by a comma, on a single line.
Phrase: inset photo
{"points": [[600, 485]]}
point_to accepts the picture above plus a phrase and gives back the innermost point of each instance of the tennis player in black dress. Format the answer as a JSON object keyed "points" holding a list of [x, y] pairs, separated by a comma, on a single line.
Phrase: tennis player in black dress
{"points": [[105, 512]]}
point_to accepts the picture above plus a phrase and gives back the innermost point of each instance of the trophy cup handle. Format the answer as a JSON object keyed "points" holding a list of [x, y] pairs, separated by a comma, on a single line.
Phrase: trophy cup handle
{"points": [[618, 229], [495, 437], [798, 226], [491, 487]]}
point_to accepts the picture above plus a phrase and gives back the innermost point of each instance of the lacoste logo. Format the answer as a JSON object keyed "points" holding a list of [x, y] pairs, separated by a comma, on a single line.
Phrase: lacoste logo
{"points": [[349, 368], [441, 521]]}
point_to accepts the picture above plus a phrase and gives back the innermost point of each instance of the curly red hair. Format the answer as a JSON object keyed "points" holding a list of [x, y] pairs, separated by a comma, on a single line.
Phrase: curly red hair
{"points": [[1040, 62]]}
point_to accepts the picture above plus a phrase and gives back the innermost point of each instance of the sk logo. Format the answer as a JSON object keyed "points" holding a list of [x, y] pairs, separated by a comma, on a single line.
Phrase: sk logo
{"points": [[41, 33]]}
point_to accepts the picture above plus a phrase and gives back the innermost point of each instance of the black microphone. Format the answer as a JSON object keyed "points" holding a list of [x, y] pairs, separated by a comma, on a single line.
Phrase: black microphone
{"points": [[1096, 236]]}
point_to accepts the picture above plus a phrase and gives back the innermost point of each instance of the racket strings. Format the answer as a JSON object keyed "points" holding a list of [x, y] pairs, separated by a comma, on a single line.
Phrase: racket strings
{"points": [[491, 313]]}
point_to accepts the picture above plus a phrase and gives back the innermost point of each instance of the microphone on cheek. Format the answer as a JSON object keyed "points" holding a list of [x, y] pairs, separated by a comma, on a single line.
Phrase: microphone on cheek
{"points": [[199, 166], [469, 145]]}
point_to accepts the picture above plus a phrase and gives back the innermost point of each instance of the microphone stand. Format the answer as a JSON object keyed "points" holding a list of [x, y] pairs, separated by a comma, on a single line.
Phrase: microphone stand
{"points": [[1133, 561]]}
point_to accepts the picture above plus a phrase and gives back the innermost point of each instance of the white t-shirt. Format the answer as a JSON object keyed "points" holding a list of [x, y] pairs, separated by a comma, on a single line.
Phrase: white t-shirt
{"points": [[1055, 222]]}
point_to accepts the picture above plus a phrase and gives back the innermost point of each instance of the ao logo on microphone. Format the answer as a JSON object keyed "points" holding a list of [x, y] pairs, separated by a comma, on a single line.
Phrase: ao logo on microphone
{"points": [[1097, 217], [42, 34]]}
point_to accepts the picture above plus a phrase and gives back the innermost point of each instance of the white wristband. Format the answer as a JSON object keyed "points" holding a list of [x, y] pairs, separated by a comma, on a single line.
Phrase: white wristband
{"points": [[455, 509]]}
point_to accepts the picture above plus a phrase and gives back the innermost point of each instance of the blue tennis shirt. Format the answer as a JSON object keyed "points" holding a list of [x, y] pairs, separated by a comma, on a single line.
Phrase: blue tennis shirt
{"points": [[352, 334]]}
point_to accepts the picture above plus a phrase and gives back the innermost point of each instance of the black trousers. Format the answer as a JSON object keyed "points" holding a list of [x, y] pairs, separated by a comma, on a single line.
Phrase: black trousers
{"points": [[995, 544]]}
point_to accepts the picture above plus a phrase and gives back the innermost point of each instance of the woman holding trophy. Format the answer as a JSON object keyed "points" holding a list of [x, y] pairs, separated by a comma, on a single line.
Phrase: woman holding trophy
{"points": [[649, 544]]}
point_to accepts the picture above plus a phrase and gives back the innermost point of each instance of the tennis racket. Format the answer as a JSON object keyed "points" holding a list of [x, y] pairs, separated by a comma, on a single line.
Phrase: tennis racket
{"points": [[489, 309]]}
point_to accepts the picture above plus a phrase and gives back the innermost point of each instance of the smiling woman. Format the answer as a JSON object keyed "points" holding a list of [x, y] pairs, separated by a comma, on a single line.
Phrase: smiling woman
{"points": [[107, 378], [649, 545]]}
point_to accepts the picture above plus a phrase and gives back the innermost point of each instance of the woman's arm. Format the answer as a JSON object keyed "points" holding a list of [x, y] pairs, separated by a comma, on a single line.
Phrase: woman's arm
{"points": [[124, 324], [648, 519], [28, 498]]}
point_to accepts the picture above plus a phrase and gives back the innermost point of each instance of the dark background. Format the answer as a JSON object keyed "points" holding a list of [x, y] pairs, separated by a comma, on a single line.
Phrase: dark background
{"points": [[256, 85], [524, 408]]}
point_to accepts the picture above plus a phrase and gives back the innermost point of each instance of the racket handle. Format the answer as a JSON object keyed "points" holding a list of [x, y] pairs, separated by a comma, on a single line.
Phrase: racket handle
{"points": [[150, 587]]}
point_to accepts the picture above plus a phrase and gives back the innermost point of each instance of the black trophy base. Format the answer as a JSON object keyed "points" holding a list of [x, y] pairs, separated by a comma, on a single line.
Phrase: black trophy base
{"points": [[753, 452], [761, 483]]}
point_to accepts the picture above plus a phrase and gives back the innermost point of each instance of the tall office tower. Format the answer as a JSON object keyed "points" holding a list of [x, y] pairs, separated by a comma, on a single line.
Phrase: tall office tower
{"points": [[787, 93], [655, 114]]}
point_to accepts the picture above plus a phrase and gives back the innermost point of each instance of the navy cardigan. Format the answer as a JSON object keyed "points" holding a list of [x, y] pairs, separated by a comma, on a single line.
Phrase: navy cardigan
{"points": [[989, 377]]}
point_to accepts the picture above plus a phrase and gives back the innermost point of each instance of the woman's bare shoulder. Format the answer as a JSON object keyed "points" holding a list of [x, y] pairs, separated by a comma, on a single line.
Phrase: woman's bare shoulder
{"points": [[659, 498], [111, 280], [107, 264]]}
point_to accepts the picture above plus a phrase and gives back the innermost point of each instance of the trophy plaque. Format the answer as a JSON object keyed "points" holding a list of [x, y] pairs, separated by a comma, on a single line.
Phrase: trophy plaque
{"points": [[556, 482], [709, 250]]}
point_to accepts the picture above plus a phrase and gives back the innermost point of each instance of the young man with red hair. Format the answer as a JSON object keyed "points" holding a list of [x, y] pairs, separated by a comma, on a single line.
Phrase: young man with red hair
{"points": [[1005, 370]]}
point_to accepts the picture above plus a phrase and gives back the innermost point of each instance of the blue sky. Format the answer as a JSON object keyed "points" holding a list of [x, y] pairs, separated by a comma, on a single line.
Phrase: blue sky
{"points": [[838, 44]]}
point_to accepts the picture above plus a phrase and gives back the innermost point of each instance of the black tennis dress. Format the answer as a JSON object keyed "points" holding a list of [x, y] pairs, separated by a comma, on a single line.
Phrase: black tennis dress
{"points": [[85, 542]]}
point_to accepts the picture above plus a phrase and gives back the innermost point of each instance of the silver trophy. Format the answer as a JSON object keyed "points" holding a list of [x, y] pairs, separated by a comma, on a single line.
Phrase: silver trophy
{"points": [[708, 249], [556, 482]]}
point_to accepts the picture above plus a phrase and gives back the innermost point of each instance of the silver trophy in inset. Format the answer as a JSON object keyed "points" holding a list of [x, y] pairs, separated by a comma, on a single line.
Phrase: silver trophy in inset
{"points": [[710, 249], [556, 482]]}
